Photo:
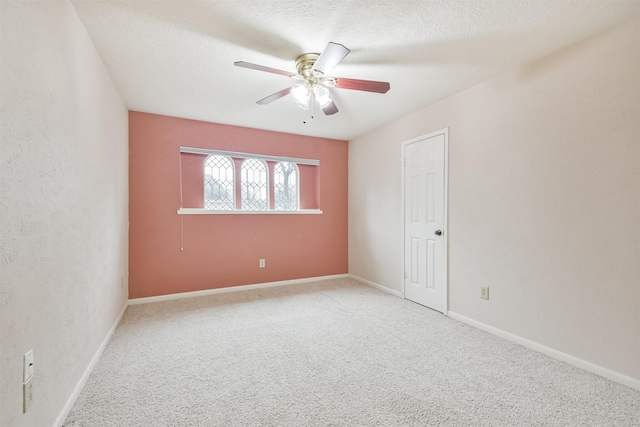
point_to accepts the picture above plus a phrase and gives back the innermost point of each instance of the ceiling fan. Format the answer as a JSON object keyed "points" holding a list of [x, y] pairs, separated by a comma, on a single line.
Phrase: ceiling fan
{"points": [[312, 83]]}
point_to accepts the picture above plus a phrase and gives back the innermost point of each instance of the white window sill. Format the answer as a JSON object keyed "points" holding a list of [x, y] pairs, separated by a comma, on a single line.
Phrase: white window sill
{"points": [[199, 211]]}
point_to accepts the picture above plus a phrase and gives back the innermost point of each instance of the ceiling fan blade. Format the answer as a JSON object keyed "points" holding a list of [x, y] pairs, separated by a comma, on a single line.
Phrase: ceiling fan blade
{"points": [[262, 68], [330, 109], [269, 99], [366, 85], [330, 57]]}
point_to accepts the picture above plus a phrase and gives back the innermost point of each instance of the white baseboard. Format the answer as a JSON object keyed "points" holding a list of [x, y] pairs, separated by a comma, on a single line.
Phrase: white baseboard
{"points": [[170, 297], [376, 285], [567, 358], [87, 372]]}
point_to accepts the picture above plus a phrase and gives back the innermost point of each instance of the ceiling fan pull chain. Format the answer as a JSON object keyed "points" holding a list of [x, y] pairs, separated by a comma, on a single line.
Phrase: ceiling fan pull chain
{"points": [[306, 114]]}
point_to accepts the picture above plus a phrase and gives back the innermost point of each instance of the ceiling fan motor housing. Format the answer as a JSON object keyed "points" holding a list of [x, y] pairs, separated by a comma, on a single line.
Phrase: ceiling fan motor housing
{"points": [[304, 65]]}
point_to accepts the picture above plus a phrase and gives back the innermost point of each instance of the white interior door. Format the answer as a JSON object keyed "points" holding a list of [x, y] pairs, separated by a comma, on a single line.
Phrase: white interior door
{"points": [[425, 275]]}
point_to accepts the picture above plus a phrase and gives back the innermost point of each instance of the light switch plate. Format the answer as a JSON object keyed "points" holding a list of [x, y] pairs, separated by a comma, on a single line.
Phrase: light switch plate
{"points": [[28, 366]]}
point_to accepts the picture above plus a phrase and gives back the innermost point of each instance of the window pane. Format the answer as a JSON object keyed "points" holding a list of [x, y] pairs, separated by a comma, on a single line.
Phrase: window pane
{"points": [[285, 186], [253, 179], [218, 183]]}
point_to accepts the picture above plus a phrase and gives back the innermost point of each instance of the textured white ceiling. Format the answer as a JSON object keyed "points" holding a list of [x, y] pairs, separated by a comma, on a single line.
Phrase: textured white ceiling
{"points": [[176, 57]]}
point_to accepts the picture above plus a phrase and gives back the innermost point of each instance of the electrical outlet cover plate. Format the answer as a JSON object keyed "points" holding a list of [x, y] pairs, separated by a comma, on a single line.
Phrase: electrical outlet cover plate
{"points": [[484, 292], [28, 366], [262, 263]]}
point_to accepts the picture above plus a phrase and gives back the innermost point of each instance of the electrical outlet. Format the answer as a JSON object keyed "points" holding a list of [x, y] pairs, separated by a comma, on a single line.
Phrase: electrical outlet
{"points": [[262, 263], [28, 366], [27, 395], [484, 292]]}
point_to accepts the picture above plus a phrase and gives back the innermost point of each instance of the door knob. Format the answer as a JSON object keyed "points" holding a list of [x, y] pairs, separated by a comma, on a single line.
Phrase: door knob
{"points": [[438, 232]]}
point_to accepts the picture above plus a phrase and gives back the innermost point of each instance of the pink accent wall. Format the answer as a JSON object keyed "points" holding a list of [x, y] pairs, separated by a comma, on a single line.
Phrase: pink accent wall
{"points": [[224, 250]]}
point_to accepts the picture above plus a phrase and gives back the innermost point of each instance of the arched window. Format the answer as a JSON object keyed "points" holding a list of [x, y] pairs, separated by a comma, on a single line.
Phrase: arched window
{"points": [[285, 186], [253, 184], [218, 183]]}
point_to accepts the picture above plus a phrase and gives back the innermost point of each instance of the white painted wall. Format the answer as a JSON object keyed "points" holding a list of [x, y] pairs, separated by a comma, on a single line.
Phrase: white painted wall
{"points": [[64, 200], [544, 200]]}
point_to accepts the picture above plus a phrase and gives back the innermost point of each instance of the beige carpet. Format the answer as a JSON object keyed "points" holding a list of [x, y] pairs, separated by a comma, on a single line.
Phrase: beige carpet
{"points": [[331, 353]]}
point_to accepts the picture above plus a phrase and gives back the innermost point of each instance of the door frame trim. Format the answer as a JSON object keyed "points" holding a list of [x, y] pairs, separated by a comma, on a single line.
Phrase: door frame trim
{"points": [[403, 163]]}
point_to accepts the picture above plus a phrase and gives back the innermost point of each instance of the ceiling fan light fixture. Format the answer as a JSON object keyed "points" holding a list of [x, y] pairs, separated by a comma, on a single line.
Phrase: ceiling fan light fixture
{"points": [[321, 95], [301, 95]]}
